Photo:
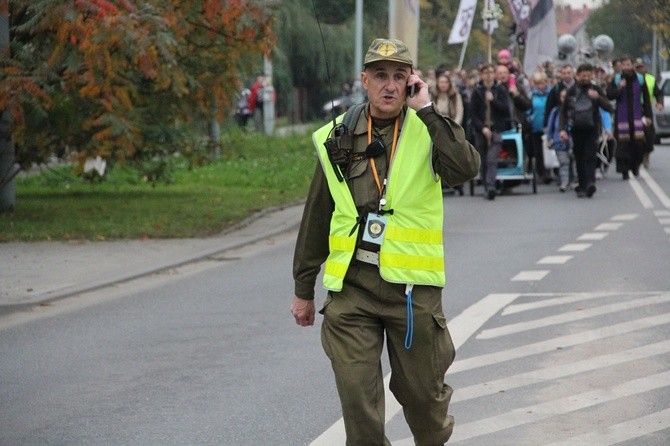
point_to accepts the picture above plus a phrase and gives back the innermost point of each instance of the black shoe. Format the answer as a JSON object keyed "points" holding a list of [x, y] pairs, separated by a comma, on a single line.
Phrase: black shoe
{"points": [[491, 194], [625, 176], [580, 193], [590, 190]]}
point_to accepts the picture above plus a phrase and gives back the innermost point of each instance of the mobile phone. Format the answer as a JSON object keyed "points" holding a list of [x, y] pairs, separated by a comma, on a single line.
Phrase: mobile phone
{"points": [[411, 89]]}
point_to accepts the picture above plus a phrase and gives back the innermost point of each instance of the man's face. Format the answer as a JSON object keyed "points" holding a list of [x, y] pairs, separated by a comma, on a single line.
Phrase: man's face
{"points": [[502, 74], [566, 74], [385, 83], [487, 75], [584, 77], [627, 66]]}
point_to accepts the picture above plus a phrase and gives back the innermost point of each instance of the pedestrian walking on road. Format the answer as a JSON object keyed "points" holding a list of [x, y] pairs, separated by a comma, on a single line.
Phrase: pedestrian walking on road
{"points": [[580, 117], [633, 114], [374, 216]]}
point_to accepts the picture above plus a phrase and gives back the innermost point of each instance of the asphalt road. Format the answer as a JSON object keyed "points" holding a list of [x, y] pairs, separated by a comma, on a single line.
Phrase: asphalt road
{"points": [[559, 308]]}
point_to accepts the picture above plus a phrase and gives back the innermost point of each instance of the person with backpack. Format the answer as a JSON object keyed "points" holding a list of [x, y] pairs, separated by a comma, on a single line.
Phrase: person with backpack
{"points": [[580, 117]]}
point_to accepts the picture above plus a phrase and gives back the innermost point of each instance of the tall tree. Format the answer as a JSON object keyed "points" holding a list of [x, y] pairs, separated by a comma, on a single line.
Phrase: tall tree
{"points": [[112, 78], [619, 19]]}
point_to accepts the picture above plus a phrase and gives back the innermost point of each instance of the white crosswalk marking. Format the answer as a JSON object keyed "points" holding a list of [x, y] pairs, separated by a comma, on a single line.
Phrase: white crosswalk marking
{"points": [[621, 432], [537, 412], [560, 342], [551, 301], [562, 371], [572, 316]]}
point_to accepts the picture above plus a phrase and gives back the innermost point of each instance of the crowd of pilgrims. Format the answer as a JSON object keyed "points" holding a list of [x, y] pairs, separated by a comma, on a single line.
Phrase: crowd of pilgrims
{"points": [[494, 98]]}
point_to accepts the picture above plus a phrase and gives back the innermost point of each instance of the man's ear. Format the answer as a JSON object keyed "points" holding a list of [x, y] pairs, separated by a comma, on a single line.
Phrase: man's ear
{"points": [[364, 80]]}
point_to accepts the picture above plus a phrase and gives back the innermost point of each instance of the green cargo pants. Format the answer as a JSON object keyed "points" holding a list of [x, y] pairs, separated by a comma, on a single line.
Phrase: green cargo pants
{"points": [[355, 322]]}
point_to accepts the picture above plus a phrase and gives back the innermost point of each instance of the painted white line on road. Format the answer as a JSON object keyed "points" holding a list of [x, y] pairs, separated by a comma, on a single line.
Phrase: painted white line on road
{"points": [[560, 406], [461, 328], [662, 213], [570, 247], [560, 371], [641, 194], [667, 230], [608, 227], [593, 236], [554, 260], [555, 301], [530, 276], [625, 217], [664, 221], [660, 193], [551, 345], [572, 316], [621, 432]]}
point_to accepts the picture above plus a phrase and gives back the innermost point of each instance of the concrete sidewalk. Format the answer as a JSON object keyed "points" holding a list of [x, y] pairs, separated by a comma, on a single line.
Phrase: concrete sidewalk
{"points": [[33, 273]]}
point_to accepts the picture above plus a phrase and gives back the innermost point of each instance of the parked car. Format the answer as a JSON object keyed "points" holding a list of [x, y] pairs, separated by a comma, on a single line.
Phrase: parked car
{"points": [[662, 118]]}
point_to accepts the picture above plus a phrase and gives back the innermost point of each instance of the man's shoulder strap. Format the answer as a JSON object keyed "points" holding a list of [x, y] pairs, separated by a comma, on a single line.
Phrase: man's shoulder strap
{"points": [[351, 115]]}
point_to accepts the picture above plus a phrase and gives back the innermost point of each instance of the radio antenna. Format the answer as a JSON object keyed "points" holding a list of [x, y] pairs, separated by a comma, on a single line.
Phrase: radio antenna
{"points": [[325, 55]]}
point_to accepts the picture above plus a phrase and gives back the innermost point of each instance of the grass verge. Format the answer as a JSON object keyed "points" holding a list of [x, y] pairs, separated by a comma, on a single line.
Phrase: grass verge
{"points": [[253, 173]]}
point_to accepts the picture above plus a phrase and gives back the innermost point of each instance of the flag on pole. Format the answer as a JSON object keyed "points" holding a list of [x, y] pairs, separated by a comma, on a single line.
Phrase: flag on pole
{"points": [[521, 13], [404, 24], [541, 40], [490, 15], [463, 23]]}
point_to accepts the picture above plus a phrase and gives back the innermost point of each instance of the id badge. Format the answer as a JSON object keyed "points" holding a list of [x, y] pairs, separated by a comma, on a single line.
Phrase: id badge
{"points": [[374, 229]]}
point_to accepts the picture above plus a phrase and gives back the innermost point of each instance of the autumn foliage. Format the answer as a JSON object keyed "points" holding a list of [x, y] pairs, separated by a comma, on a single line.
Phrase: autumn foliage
{"points": [[117, 77]]}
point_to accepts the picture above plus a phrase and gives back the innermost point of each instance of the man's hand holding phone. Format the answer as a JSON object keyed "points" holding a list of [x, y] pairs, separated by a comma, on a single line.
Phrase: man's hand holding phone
{"points": [[420, 97]]}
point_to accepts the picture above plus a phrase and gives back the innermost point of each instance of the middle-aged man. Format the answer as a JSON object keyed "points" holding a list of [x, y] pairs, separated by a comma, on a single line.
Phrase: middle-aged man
{"points": [[374, 216], [580, 117]]}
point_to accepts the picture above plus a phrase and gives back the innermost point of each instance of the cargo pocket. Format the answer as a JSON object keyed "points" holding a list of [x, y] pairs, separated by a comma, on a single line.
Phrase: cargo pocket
{"points": [[444, 346]]}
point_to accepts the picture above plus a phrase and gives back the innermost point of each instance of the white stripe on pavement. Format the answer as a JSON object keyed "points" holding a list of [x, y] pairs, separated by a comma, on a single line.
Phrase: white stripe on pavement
{"points": [[570, 247], [529, 276], [625, 217], [566, 341], [660, 193], [608, 227], [593, 236], [621, 432], [555, 301], [554, 260], [641, 194], [572, 316], [560, 406], [561, 371]]}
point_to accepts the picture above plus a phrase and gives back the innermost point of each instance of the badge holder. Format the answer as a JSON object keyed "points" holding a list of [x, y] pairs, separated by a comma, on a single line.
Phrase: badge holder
{"points": [[375, 227]]}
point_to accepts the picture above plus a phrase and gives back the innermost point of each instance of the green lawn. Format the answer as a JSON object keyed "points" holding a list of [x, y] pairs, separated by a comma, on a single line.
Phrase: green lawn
{"points": [[254, 172]]}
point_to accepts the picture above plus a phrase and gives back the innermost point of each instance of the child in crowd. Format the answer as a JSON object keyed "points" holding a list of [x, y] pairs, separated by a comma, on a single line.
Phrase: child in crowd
{"points": [[563, 150]]}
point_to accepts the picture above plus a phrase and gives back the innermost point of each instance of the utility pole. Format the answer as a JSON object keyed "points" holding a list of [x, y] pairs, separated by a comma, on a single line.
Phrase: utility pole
{"points": [[7, 169]]}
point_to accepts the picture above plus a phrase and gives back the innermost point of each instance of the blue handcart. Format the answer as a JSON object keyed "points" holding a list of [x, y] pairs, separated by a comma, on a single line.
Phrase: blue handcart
{"points": [[511, 164]]}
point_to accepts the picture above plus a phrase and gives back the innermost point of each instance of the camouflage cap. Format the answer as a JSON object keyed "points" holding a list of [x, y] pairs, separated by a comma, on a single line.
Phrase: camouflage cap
{"points": [[388, 49]]}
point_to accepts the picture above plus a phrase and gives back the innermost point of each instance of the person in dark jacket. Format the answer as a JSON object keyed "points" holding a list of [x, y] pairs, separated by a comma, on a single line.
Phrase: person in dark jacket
{"points": [[491, 115], [585, 125]]}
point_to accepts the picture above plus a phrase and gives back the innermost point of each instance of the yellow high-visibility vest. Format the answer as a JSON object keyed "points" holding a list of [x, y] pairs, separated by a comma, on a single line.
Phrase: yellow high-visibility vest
{"points": [[412, 251]]}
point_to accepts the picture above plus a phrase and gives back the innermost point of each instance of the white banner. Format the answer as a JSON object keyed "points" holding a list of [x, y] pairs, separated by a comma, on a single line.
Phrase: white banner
{"points": [[463, 23]]}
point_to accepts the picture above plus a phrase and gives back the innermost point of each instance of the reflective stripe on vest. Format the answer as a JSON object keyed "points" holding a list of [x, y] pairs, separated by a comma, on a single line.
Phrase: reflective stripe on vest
{"points": [[412, 250]]}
